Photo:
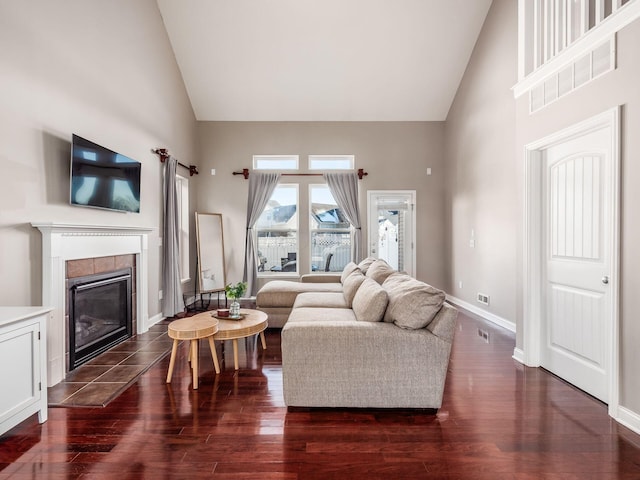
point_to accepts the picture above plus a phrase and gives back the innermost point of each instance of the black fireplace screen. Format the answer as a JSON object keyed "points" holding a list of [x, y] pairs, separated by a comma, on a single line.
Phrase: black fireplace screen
{"points": [[99, 314]]}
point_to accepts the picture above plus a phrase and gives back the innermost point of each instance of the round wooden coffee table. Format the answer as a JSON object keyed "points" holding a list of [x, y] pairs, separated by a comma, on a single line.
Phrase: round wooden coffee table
{"points": [[192, 329], [254, 322]]}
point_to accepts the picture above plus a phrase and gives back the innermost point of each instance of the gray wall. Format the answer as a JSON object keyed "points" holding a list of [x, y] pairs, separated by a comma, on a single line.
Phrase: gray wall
{"points": [[482, 170], [395, 154], [619, 87], [103, 70], [486, 132]]}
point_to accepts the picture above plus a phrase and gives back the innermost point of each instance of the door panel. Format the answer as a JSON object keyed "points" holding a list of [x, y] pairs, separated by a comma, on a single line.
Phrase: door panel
{"points": [[392, 216], [577, 199]]}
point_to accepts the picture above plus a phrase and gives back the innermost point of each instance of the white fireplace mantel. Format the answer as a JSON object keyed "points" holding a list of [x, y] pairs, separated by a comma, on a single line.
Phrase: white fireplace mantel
{"points": [[62, 242]]}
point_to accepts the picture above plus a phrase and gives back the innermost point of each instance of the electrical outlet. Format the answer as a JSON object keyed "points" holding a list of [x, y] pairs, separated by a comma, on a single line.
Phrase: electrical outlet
{"points": [[460, 284], [484, 334], [160, 295], [482, 298]]}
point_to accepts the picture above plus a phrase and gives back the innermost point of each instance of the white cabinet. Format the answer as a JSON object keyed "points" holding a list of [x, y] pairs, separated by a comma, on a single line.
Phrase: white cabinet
{"points": [[23, 369]]}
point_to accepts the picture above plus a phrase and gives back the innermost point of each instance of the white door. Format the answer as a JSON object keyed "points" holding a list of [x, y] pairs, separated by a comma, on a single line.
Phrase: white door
{"points": [[577, 222], [392, 219]]}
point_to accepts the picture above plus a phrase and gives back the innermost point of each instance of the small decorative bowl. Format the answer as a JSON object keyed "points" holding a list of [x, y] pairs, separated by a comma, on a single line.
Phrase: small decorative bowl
{"points": [[223, 312]]}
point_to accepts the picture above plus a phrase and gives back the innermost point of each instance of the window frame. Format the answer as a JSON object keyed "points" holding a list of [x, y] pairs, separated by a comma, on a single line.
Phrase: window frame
{"points": [[312, 230], [182, 189], [257, 230], [266, 158], [319, 158]]}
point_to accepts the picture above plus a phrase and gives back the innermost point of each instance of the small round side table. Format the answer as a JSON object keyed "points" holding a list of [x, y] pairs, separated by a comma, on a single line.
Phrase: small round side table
{"points": [[193, 329]]}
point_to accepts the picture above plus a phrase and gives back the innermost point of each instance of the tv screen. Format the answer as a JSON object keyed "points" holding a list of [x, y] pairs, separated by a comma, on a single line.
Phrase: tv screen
{"points": [[102, 178]]}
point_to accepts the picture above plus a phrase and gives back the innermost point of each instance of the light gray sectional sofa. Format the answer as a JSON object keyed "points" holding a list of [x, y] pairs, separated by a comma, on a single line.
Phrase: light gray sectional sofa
{"points": [[372, 338]]}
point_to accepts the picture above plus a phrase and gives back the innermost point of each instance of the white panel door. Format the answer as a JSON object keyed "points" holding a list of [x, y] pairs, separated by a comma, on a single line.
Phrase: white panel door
{"points": [[392, 219], [577, 220]]}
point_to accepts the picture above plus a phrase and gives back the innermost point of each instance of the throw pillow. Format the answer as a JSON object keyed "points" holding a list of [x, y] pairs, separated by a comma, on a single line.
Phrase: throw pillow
{"points": [[379, 271], [349, 268], [365, 264], [370, 301], [351, 285], [412, 304]]}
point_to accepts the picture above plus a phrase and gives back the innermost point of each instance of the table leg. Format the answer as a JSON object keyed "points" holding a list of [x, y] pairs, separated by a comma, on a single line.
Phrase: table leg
{"points": [[235, 353], [264, 342], [172, 362], [194, 362], [212, 346]]}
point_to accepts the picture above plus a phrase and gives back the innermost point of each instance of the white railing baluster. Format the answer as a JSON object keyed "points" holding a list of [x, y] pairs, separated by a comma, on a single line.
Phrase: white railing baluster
{"points": [[615, 5], [584, 17], [569, 22], [537, 37], [599, 13]]}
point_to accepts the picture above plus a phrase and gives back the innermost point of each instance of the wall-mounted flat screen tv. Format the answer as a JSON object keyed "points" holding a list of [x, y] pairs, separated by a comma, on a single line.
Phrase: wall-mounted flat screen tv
{"points": [[102, 178]]}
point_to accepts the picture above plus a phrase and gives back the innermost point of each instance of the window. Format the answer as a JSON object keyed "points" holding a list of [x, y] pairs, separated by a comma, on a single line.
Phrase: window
{"points": [[275, 162], [331, 162], [277, 232], [182, 188], [330, 232]]}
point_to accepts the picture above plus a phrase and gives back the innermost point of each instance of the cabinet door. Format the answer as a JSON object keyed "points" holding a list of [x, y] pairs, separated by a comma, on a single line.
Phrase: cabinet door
{"points": [[19, 369]]}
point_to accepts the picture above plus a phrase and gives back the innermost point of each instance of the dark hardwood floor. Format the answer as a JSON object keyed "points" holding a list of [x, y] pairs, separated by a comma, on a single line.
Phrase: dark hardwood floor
{"points": [[499, 420]]}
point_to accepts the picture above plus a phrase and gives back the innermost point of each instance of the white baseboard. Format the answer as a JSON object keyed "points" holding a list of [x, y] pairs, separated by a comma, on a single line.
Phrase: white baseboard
{"points": [[151, 321], [629, 419], [518, 355], [493, 318]]}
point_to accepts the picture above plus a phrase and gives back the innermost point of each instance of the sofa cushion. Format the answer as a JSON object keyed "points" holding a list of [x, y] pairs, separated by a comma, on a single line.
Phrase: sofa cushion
{"points": [[349, 268], [379, 271], [370, 301], [321, 299], [365, 264], [351, 285], [282, 293], [412, 304], [331, 316]]}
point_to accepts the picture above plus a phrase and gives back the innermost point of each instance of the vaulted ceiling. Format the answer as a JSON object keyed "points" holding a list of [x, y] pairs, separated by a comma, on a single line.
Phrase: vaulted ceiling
{"points": [[322, 60]]}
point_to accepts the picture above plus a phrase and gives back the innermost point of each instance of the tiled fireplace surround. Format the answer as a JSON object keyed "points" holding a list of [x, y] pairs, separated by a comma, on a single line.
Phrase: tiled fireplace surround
{"points": [[73, 250]]}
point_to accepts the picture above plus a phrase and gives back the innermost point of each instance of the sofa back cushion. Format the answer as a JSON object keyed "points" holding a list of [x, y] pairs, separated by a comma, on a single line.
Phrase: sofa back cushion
{"points": [[412, 304], [370, 301], [349, 268], [365, 264], [379, 271], [351, 285]]}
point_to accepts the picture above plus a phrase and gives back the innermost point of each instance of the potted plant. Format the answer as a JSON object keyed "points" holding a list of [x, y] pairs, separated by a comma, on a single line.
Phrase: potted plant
{"points": [[234, 292]]}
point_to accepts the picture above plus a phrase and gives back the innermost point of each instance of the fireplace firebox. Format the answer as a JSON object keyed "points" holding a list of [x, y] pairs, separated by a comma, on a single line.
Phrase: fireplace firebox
{"points": [[99, 314]]}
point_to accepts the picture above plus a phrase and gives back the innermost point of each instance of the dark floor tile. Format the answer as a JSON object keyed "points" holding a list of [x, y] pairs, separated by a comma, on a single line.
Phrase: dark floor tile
{"points": [[109, 358], [86, 373], [143, 358], [95, 394], [122, 373], [58, 393]]}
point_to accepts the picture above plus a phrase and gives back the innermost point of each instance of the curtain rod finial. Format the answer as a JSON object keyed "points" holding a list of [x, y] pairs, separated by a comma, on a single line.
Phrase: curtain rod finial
{"points": [[362, 173]]}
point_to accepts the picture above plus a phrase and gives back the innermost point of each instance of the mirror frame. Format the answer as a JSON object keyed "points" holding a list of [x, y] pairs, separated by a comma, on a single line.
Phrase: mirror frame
{"points": [[215, 244]]}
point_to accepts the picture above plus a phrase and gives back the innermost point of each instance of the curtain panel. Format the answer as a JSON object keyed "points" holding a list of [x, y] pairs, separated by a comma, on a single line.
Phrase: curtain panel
{"points": [[172, 302], [261, 187], [344, 188]]}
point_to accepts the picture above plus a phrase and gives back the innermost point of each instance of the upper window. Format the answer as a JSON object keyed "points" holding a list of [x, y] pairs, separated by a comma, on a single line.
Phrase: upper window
{"points": [[331, 162], [330, 232], [275, 162], [277, 232]]}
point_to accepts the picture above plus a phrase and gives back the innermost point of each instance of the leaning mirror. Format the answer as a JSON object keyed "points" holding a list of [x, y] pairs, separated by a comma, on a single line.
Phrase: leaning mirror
{"points": [[210, 242]]}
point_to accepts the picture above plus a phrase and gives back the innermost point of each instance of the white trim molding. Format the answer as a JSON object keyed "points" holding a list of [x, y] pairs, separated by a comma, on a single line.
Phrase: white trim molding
{"points": [[518, 355], [591, 39], [628, 418], [532, 248], [491, 317], [62, 242]]}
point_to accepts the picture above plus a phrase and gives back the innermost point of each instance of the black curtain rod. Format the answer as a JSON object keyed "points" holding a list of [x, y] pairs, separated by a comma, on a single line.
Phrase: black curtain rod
{"points": [[164, 154], [245, 173]]}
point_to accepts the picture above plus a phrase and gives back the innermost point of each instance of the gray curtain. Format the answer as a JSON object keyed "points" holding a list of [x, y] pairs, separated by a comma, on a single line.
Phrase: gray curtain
{"points": [[172, 302], [344, 188], [261, 187]]}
